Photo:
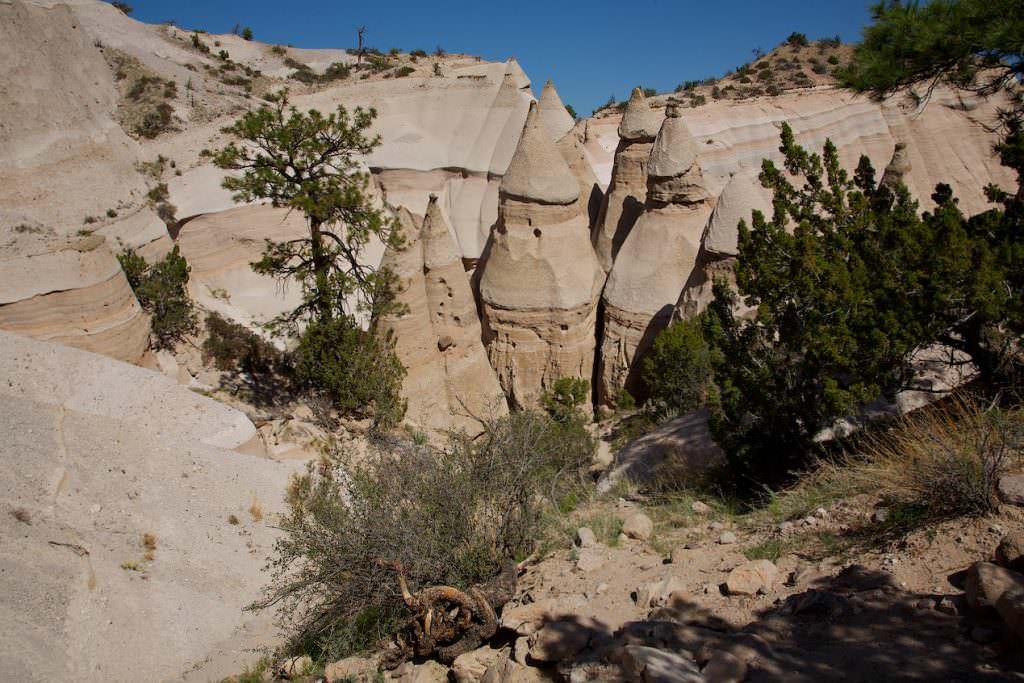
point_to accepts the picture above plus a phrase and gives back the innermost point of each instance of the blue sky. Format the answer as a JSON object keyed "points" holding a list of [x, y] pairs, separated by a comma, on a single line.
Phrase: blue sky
{"points": [[590, 49]]}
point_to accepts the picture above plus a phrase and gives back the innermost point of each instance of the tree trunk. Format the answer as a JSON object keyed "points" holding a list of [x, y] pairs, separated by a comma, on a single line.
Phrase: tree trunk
{"points": [[321, 272]]}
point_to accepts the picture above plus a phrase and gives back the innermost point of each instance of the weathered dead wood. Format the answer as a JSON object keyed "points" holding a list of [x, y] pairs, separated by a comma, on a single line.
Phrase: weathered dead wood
{"points": [[447, 622]]}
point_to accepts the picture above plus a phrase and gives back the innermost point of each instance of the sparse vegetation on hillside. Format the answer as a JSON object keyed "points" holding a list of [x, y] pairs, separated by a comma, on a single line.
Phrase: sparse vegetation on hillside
{"points": [[161, 289], [124, 7], [145, 106]]}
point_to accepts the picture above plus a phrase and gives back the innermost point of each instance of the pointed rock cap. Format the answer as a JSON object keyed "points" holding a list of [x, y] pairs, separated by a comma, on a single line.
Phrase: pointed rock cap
{"points": [[639, 121], [537, 171], [741, 196], [898, 167], [407, 261], [519, 76], [674, 151], [438, 246], [553, 114]]}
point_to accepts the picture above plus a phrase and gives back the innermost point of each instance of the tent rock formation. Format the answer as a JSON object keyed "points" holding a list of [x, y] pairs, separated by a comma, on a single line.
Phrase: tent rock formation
{"points": [[540, 280], [656, 258]]}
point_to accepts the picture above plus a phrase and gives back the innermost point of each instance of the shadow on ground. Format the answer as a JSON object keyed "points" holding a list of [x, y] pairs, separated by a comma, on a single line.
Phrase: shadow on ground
{"points": [[856, 626]]}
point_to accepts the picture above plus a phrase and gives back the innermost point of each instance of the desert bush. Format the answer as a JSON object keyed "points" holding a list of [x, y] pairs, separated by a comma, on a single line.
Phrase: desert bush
{"points": [[161, 289], [404, 71], [357, 369], [336, 72], [944, 459], [279, 49], [832, 43], [797, 40], [819, 68], [124, 7], [418, 53], [247, 33], [454, 517], [156, 121], [649, 92]]}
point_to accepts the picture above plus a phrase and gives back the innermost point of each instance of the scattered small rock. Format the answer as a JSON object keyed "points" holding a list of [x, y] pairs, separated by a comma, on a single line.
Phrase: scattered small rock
{"points": [[585, 537], [470, 667], [727, 538], [638, 526], [724, 667], [821, 513], [947, 606], [700, 508], [1011, 489], [810, 521], [642, 663], [880, 515], [716, 526], [986, 583], [657, 593], [558, 641], [1010, 551], [751, 578], [785, 527], [590, 559], [1011, 608]]}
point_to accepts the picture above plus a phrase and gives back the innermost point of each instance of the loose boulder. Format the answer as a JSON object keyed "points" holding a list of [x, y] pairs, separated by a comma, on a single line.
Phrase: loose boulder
{"points": [[751, 578], [638, 526]]}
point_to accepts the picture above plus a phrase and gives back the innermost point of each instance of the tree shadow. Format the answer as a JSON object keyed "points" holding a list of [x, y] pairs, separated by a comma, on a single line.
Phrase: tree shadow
{"points": [[856, 626]]}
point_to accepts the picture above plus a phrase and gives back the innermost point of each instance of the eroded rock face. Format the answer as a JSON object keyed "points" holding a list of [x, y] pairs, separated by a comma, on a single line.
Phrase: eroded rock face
{"points": [[71, 291], [540, 280], [415, 341], [624, 201], [471, 387], [437, 334], [656, 259], [743, 195]]}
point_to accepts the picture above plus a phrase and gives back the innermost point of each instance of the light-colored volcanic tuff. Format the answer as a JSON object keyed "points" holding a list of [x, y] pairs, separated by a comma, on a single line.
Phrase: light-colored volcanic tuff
{"points": [[540, 280], [656, 257]]}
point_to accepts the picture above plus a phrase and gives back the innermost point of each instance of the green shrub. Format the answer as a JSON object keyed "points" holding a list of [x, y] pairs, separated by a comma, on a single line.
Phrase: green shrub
{"points": [[677, 371], [566, 398], [404, 71], [279, 50], [247, 33], [819, 68], [833, 60], [161, 289], [418, 53], [454, 517], [356, 369]]}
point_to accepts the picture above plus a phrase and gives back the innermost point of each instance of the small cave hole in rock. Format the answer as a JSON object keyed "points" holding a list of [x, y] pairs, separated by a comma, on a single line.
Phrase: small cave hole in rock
{"points": [[536, 232]]}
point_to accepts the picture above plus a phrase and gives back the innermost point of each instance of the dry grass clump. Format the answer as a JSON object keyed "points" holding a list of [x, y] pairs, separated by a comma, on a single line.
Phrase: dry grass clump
{"points": [[149, 543], [256, 510], [946, 458], [22, 515], [942, 461]]}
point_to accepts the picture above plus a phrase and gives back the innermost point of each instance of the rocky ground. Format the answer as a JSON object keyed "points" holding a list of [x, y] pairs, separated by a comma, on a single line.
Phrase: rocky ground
{"points": [[687, 592]]}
